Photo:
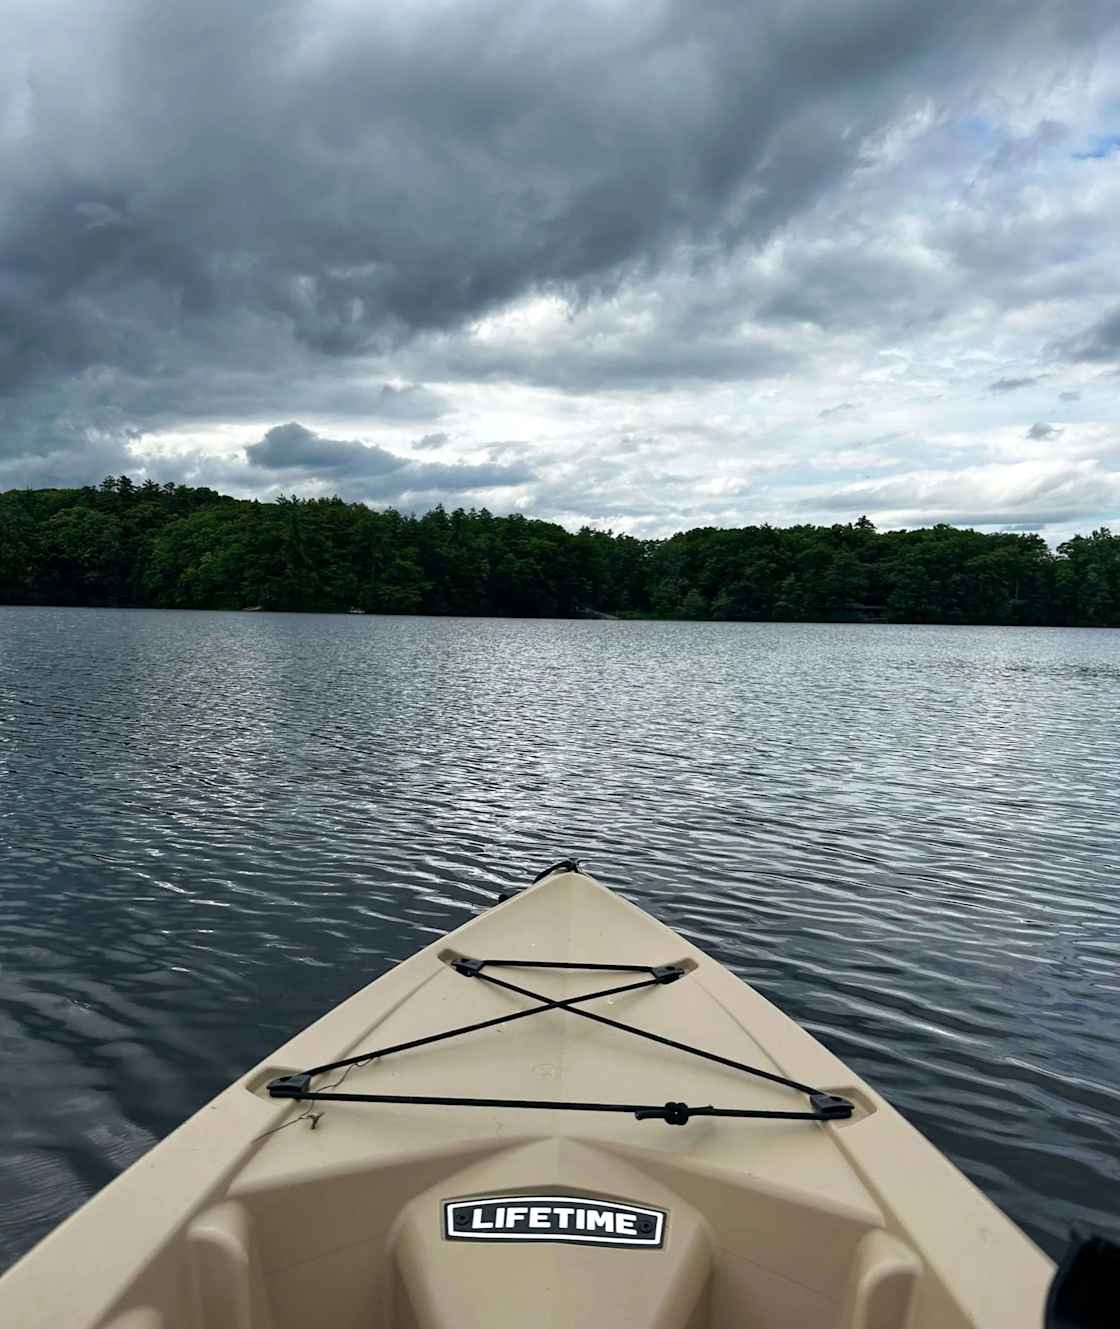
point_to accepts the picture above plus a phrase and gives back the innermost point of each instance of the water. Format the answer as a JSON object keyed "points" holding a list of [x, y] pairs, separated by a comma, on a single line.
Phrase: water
{"points": [[215, 826]]}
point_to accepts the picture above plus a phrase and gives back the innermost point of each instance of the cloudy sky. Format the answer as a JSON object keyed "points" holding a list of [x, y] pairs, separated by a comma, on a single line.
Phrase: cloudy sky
{"points": [[645, 263]]}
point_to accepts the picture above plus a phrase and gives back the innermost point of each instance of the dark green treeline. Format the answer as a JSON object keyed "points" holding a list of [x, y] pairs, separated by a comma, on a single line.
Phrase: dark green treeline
{"points": [[171, 546]]}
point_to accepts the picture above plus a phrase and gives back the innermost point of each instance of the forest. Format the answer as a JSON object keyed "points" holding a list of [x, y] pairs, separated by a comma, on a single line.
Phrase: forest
{"points": [[173, 546]]}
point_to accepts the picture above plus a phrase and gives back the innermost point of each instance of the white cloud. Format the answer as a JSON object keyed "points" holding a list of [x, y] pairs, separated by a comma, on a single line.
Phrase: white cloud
{"points": [[1037, 492]]}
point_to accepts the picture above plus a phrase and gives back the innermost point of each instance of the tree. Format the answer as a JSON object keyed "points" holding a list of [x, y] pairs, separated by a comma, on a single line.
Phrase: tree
{"points": [[82, 561], [174, 545], [19, 552], [693, 605], [1089, 579], [843, 585]]}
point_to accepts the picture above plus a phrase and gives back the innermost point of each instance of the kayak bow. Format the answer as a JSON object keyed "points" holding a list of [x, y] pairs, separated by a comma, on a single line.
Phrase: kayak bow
{"points": [[427, 1156]]}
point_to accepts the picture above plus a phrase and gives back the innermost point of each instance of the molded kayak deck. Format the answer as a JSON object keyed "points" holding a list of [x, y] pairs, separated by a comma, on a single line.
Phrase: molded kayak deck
{"points": [[268, 1213]]}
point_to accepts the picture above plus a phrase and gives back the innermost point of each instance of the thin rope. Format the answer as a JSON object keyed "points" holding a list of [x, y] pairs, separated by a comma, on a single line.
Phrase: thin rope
{"points": [[546, 1005]]}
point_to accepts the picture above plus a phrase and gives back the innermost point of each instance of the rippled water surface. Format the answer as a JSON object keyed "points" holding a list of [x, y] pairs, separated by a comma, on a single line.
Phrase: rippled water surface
{"points": [[215, 826]]}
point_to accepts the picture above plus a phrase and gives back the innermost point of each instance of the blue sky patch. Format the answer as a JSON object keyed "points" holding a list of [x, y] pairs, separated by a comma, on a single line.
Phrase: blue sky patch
{"points": [[1101, 146]]}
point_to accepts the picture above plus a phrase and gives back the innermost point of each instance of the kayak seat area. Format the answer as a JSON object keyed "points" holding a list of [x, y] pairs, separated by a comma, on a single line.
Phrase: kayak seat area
{"points": [[329, 1253]]}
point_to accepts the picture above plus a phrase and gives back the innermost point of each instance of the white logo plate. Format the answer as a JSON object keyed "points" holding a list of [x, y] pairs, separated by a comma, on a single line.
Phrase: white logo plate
{"points": [[575, 1218]]}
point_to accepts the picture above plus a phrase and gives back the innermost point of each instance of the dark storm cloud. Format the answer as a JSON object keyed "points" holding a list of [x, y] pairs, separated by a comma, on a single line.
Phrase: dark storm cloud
{"points": [[408, 403], [1101, 342], [851, 282], [193, 189], [1040, 430], [56, 452], [80, 430], [678, 350], [371, 471], [292, 447], [1012, 384]]}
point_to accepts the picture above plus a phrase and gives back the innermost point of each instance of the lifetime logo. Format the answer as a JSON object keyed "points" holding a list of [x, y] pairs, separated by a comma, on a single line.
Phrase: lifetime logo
{"points": [[575, 1218]]}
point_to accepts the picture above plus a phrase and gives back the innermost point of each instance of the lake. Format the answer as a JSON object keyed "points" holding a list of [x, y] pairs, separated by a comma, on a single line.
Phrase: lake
{"points": [[215, 826]]}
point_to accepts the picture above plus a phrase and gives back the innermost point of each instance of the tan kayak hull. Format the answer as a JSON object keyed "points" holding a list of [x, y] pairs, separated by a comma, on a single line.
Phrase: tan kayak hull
{"points": [[261, 1213]]}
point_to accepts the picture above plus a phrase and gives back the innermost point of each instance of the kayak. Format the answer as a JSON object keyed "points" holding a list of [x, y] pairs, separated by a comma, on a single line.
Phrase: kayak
{"points": [[562, 1114]]}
